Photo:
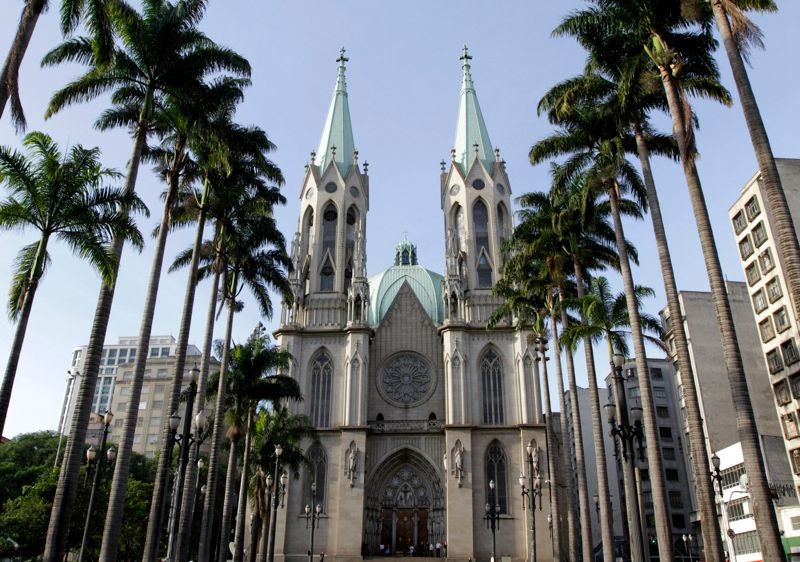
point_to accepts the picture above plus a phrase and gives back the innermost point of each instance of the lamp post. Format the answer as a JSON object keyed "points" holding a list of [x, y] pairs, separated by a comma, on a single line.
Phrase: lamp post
{"points": [[184, 442], [687, 544], [596, 499], [277, 498], [312, 519], [90, 454], [532, 491], [716, 476], [630, 432], [492, 517]]}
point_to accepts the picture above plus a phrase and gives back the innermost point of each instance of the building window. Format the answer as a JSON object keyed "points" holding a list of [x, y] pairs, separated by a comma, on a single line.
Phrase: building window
{"points": [[739, 222], [794, 383], [496, 471], [794, 454], [737, 510], [329, 223], [659, 393], [766, 261], [752, 208], [321, 379], [480, 218], [789, 350], [669, 453], [648, 499], [662, 411], [752, 273], [782, 394], [155, 422], [665, 433], [745, 247], [675, 499], [746, 543], [153, 352], [671, 474], [655, 372], [759, 300], [781, 319], [766, 329], [164, 352], [152, 439], [633, 392], [774, 361], [317, 472], [731, 476], [774, 289], [159, 388], [759, 234], [789, 422], [492, 386]]}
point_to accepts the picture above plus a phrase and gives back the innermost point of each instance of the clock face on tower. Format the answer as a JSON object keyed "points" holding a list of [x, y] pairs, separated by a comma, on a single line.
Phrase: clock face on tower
{"points": [[406, 379], [454, 189]]}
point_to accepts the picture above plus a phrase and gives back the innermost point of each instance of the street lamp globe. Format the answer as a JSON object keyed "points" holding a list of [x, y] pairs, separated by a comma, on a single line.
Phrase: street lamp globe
{"points": [[491, 484], [270, 482], [108, 417], [636, 414], [611, 412], [111, 454], [174, 421], [308, 509], [91, 453], [716, 461], [200, 420], [537, 483], [529, 448], [619, 360], [284, 479], [195, 373], [200, 464], [318, 509], [278, 450]]}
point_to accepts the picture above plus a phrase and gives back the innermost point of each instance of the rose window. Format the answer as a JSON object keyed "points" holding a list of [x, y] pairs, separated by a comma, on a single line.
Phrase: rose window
{"points": [[406, 379]]}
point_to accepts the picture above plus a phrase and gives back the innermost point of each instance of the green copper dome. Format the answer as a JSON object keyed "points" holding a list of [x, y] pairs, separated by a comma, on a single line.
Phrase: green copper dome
{"points": [[384, 287]]}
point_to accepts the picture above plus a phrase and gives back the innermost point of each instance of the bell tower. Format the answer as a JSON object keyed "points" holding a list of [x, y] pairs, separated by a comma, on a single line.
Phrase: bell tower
{"points": [[328, 251], [475, 199]]}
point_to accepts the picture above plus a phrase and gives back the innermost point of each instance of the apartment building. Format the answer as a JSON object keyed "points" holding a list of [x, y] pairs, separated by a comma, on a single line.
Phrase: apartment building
{"points": [[777, 324]]}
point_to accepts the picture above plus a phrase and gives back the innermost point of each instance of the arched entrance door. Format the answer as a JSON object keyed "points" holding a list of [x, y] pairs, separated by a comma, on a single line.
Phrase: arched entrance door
{"points": [[405, 504]]}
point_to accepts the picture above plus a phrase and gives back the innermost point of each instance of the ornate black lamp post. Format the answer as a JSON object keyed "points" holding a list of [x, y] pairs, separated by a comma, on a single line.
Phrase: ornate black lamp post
{"points": [[630, 432], [111, 454], [277, 499], [312, 519], [532, 491], [716, 474], [492, 516]]}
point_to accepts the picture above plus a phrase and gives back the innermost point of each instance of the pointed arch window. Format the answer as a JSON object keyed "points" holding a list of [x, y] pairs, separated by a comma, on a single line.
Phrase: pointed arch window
{"points": [[480, 219], [461, 229], [492, 387], [317, 472], [496, 471], [321, 380], [308, 224]]}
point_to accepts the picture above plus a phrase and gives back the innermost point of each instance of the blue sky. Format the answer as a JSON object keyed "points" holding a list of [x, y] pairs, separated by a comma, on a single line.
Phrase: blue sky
{"points": [[403, 79]]}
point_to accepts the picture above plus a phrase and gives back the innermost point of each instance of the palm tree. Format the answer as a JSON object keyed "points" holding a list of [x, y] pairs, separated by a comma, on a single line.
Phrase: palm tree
{"points": [[252, 253], [681, 52], [631, 91], [63, 197], [159, 52], [251, 382], [96, 13], [606, 317], [273, 427], [590, 137], [738, 33]]}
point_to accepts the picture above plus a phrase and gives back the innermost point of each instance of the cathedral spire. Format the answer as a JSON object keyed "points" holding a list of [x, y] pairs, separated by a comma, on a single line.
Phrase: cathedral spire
{"points": [[337, 142], [471, 135]]}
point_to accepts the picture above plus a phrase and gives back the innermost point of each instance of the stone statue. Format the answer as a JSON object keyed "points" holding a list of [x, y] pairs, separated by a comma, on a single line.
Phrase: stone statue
{"points": [[352, 461]]}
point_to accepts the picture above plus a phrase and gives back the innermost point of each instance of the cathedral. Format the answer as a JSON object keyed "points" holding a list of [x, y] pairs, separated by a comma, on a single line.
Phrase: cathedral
{"points": [[424, 415]]}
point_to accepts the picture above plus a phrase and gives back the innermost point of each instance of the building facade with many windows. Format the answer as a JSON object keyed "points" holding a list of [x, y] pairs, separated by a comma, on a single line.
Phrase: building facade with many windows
{"points": [[418, 406]]}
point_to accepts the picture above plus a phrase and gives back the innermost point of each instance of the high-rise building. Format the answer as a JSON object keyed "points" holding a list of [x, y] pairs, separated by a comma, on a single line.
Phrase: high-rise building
{"points": [[419, 406], [673, 449], [112, 359]]}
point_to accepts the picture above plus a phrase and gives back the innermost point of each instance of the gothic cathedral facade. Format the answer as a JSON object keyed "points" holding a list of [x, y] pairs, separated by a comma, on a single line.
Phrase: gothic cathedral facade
{"points": [[417, 403]]}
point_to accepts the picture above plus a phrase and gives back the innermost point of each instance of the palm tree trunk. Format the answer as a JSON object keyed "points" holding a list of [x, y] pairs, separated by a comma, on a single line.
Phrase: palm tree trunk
{"points": [[190, 478], [573, 535], [69, 478], [119, 485], [763, 512], [654, 460], [255, 527], [204, 551], [9, 75], [227, 502], [153, 535], [238, 549], [555, 504], [580, 459], [704, 486], [265, 519], [22, 328], [606, 515], [633, 514], [776, 198]]}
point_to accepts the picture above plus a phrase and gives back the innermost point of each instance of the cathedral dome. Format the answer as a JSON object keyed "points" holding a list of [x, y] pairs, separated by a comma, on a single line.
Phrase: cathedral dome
{"points": [[384, 286]]}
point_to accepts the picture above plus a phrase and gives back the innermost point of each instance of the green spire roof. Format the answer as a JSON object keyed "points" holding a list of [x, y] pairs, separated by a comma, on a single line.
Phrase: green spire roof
{"points": [[471, 129], [338, 130]]}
